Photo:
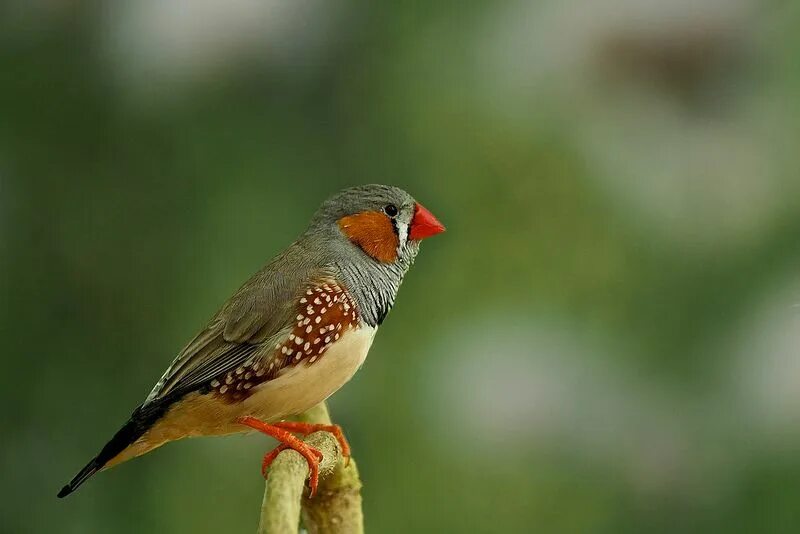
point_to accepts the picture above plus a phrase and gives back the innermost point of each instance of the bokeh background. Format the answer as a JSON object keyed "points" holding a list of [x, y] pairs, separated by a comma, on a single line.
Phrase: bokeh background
{"points": [[607, 339]]}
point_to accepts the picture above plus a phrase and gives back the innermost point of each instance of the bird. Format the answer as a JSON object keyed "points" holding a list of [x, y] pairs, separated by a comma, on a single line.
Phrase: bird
{"points": [[289, 337]]}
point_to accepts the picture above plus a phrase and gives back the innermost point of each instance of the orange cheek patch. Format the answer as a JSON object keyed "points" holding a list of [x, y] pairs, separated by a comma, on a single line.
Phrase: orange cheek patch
{"points": [[373, 232]]}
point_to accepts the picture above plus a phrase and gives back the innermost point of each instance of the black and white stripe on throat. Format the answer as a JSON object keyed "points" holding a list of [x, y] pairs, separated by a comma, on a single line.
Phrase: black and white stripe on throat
{"points": [[374, 285]]}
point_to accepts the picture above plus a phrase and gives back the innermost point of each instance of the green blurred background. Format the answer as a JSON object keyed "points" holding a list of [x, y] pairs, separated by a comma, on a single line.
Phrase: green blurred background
{"points": [[607, 339]]}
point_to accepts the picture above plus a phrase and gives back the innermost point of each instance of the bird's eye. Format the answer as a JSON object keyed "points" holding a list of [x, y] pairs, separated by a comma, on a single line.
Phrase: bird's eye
{"points": [[391, 210]]}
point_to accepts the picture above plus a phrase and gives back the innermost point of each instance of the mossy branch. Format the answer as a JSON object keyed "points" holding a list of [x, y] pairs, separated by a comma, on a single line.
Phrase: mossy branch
{"points": [[335, 509]]}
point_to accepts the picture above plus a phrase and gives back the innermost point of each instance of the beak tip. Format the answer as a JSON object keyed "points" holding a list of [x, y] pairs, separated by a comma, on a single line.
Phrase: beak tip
{"points": [[424, 224]]}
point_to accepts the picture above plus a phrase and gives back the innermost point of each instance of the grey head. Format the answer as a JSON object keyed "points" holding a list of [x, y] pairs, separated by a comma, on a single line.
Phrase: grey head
{"points": [[370, 235]]}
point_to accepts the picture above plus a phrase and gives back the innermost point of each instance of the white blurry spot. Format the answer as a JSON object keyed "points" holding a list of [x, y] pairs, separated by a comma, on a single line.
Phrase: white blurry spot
{"points": [[670, 101], [517, 381], [155, 42], [534, 46], [508, 387], [766, 367]]}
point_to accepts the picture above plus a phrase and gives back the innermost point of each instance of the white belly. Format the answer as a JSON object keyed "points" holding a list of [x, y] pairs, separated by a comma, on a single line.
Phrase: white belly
{"points": [[305, 385]]}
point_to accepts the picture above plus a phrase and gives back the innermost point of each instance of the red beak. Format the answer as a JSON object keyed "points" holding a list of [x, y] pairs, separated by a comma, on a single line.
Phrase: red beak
{"points": [[424, 224]]}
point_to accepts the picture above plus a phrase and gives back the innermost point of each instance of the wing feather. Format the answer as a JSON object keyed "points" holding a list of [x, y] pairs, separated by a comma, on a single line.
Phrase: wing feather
{"points": [[260, 312]]}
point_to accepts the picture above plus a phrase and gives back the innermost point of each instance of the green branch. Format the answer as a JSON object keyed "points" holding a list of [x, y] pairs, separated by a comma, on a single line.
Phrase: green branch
{"points": [[335, 509]]}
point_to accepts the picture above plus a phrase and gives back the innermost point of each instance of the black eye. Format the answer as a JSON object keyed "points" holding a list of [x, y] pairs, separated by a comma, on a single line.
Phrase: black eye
{"points": [[391, 210]]}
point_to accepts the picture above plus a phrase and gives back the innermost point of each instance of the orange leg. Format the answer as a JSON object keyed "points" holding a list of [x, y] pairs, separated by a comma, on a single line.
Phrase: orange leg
{"points": [[270, 457], [307, 428], [312, 455]]}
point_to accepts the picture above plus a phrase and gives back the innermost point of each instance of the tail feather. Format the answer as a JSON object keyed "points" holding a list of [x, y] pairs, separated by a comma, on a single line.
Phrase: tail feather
{"points": [[91, 468], [130, 432], [141, 420]]}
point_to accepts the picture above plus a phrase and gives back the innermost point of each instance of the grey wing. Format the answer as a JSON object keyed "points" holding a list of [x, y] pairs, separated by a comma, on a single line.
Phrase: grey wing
{"points": [[262, 310], [206, 356]]}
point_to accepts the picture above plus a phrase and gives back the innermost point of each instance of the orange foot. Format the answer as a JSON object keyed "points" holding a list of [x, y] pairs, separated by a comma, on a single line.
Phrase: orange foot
{"points": [[308, 428], [288, 441]]}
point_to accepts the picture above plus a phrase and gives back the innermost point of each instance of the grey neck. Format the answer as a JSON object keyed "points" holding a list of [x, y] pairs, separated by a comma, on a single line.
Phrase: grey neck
{"points": [[372, 284]]}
